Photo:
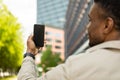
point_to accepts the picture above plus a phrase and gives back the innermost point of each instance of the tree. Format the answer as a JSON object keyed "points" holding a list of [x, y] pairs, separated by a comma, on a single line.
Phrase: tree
{"points": [[11, 43], [49, 60]]}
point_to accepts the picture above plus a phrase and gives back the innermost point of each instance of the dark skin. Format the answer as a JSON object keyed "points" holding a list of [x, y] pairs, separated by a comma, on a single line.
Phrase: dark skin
{"points": [[99, 30], [31, 48]]}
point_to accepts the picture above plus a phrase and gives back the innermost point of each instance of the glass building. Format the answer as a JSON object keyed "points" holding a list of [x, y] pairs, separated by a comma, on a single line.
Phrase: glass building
{"points": [[75, 27], [52, 12]]}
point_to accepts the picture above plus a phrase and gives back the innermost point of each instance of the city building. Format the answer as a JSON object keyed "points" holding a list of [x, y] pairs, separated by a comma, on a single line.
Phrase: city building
{"points": [[75, 27], [55, 39], [52, 12]]}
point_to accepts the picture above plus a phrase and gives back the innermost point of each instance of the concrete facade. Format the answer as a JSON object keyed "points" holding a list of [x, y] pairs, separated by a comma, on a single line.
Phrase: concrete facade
{"points": [[52, 12], [75, 26], [55, 38]]}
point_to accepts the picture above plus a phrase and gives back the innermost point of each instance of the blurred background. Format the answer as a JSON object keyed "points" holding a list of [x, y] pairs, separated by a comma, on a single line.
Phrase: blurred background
{"points": [[65, 32]]}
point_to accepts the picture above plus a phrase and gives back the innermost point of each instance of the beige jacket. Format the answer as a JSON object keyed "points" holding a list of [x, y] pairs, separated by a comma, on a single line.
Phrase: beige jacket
{"points": [[101, 62]]}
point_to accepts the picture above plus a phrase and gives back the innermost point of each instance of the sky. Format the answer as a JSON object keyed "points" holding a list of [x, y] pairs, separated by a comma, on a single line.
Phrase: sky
{"points": [[25, 11]]}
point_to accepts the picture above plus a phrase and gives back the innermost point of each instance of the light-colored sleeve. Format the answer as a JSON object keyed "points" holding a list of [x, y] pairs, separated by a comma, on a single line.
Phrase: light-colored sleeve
{"points": [[28, 71]]}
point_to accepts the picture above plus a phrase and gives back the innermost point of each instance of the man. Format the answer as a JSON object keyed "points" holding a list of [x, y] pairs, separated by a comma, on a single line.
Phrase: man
{"points": [[100, 62]]}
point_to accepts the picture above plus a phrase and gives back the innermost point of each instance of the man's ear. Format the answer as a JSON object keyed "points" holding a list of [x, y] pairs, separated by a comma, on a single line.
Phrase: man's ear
{"points": [[109, 24]]}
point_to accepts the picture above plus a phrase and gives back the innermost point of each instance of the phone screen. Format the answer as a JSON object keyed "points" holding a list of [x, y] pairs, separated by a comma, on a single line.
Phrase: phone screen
{"points": [[39, 35]]}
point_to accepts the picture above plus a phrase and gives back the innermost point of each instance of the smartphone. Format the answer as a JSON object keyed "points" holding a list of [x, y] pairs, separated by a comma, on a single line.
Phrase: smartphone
{"points": [[38, 37]]}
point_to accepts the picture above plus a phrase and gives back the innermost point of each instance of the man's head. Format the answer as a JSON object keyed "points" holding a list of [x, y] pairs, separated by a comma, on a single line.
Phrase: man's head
{"points": [[104, 22]]}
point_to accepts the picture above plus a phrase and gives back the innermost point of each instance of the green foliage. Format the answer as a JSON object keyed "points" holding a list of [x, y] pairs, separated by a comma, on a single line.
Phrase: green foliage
{"points": [[9, 78], [11, 43], [48, 60]]}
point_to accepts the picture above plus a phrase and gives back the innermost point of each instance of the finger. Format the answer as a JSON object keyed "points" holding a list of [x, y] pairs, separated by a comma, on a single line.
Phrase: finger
{"points": [[40, 49], [37, 51], [45, 42], [45, 39], [30, 37]]}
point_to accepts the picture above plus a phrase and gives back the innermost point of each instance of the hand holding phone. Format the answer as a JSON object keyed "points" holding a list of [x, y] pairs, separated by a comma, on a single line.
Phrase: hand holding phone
{"points": [[38, 37]]}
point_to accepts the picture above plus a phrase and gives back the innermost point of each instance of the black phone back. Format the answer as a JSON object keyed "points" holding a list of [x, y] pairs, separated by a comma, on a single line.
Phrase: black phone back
{"points": [[39, 35]]}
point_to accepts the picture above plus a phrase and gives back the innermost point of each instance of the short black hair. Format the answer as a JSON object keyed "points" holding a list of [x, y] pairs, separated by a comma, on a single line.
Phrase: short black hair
{"points": [[112, 9]]}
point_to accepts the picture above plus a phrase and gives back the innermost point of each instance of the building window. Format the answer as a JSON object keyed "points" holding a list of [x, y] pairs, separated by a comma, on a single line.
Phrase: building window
{"points": [[48, 33], [48, 39], [57, 52], [57, 47], [58, 35], [58, 41], [48, 45]]}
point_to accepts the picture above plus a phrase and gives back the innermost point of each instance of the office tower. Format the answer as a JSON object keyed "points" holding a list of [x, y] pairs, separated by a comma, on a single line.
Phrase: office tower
{"points": [[75, 27], [52, 12]]}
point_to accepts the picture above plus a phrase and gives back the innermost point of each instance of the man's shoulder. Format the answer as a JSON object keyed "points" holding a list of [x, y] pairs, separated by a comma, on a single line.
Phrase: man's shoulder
{"points": [[93, 53]]}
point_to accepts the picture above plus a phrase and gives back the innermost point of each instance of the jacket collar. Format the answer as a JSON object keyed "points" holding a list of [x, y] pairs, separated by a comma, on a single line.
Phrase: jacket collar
{"points": [[108, 45]]}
